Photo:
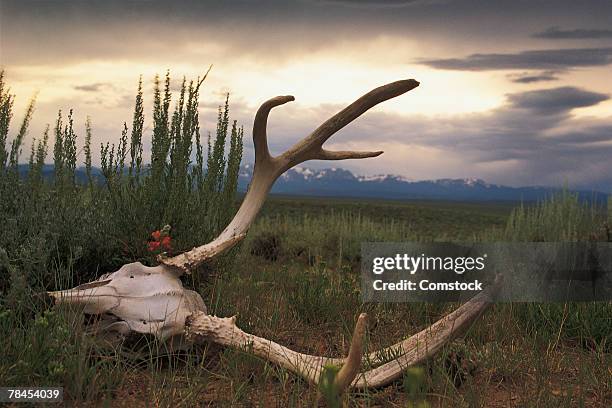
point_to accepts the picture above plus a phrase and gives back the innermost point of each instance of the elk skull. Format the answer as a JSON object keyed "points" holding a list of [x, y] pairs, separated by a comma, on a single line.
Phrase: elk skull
{"points": [[152, 300], [137, 299]]}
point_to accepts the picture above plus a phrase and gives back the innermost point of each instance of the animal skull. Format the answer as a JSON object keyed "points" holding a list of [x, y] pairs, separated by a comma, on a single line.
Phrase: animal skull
{"points": [[137, 299]]}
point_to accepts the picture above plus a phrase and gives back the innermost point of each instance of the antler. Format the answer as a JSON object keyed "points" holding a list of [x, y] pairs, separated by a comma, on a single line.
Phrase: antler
{"points": [[201, 327], [269, 168]]}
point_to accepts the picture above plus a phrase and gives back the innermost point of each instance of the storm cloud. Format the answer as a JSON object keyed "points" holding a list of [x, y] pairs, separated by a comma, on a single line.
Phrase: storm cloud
{"points": [[40, 31], [525, 78], [557, 100], [555, 33], [553, 59]]}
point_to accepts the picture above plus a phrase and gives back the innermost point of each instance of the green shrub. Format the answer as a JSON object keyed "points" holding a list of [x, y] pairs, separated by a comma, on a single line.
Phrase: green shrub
{"points": [[561, 218], [59, 230], [104, 221], [266, 245]]}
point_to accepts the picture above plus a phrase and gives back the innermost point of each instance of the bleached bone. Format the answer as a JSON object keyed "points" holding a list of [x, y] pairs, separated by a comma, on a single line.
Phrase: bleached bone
{"points": [[152, 300], [137, 298]]}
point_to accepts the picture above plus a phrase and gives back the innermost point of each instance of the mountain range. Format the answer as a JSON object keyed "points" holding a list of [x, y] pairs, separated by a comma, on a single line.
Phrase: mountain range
{"points": [[339, 182]]}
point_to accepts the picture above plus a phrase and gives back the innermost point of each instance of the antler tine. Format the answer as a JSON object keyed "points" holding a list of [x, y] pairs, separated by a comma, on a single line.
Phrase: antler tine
{"points": [[342, 155], [260, 125], [268, 168], [311, 147], [351, 366]]}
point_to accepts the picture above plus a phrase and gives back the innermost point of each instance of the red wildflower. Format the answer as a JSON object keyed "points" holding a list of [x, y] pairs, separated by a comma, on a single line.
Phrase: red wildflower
{"points": [[160, 240], [166, 243]]}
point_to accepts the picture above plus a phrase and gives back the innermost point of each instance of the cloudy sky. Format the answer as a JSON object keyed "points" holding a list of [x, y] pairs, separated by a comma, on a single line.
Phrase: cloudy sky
{"points": [[513, 92]]}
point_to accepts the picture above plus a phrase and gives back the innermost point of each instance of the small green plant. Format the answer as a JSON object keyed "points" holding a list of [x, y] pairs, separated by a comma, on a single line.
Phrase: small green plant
{"points": [[327, 386], [414, 387]]}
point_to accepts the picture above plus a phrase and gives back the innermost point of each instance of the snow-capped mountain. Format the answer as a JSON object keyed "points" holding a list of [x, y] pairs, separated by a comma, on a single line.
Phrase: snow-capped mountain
{"points": [[343, 183]]}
